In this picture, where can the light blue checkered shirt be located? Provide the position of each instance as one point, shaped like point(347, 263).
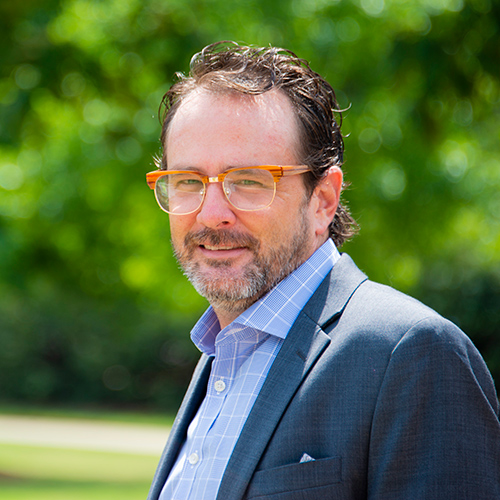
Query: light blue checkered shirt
point(244, 352)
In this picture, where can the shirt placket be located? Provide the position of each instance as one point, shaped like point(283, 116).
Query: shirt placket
point(199, 431)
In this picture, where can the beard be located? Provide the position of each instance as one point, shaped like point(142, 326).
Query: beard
point(234, 293)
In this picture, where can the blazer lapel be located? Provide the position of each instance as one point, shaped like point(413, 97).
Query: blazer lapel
point(192, 401)
point(332, 296)
point(286, 374)
point(304, 344)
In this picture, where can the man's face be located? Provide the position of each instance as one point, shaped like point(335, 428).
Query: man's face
point(234, 257)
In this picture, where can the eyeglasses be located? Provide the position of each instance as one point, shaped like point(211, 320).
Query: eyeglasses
point(181, 192)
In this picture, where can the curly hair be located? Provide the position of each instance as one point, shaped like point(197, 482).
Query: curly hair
point(230, 67)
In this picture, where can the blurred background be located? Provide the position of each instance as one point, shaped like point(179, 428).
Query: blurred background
point(93, 309)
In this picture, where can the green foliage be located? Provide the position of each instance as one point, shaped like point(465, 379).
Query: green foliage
point(93, 307)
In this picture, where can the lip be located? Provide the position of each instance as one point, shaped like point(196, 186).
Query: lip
point(223, 252)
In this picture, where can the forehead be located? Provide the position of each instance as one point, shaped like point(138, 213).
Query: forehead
point(242, 128)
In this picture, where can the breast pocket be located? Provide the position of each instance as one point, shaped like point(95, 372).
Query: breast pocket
point(295, 478)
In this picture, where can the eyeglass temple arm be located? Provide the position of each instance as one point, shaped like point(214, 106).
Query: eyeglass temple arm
point(283, 171)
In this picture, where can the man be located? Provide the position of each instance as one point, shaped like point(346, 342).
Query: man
point(314, 383)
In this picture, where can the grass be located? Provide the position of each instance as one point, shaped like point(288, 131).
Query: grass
point(52, 473)
point(49, 473)
point(74, 465)
point(61, 490)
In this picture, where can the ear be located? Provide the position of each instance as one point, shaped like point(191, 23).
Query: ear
point(326, 197)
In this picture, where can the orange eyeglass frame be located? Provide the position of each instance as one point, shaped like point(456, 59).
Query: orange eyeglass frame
point(277, 171)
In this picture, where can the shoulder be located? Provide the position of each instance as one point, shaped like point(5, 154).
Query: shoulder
point(384, 303)
point(386, 312)
point(363, 315)
point(376, 308)
point(374, 318)
point(382, 327)
point(403, 325)
point(400, 350)
point(394, 321)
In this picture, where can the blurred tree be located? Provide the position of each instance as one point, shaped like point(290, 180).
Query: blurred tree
point(93, 307)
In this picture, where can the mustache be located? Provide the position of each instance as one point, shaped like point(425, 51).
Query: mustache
point(213, 237)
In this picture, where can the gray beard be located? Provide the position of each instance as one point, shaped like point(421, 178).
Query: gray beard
point(235, 295)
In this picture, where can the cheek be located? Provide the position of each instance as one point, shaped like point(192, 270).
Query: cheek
point(259, 224)
point(272, 230)
point(178, 228)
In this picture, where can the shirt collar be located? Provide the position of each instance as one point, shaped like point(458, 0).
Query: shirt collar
point(276, 312)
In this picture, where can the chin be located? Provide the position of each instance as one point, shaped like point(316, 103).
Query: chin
point(229, 287)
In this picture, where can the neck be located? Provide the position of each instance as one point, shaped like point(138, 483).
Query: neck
point(227, 313)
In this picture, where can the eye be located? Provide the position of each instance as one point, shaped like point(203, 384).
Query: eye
point(250, 179)
point(186, 183)
point(248, 182)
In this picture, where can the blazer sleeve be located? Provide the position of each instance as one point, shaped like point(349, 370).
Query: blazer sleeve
point(435, 431)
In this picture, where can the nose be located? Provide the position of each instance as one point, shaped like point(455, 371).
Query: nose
point(215, 211)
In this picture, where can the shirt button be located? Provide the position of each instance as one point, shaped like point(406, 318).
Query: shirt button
point(219, 385)
point(193, 459)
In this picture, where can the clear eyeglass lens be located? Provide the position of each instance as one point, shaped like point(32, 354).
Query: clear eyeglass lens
point(179, 193)
point(250, 189)
point(246, 189)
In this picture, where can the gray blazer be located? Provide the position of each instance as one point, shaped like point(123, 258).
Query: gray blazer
point(391, 401)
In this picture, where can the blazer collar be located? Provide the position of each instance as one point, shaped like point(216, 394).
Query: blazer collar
point(331, 297)
point(303, 346)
